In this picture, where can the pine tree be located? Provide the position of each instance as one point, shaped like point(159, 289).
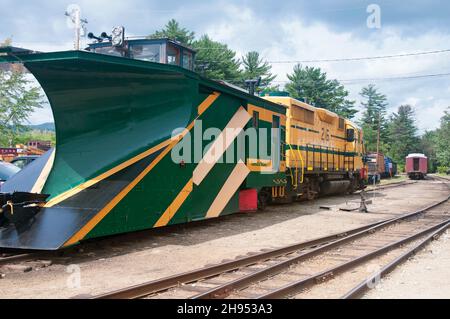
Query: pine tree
point(402, 133)
point(255, 67)
point(312, 86)
point(173, 31)
point(374, 116)
point(428, 147)
point(216, 61)
point(443, 141)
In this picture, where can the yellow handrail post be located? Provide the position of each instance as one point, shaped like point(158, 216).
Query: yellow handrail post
point(303, 166)
point(294, 184)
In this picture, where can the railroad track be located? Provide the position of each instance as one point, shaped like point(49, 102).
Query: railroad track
point(11, 258)
point(392, 185)
point(302, 270)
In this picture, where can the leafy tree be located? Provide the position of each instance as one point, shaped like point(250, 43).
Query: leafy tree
point(402, 132)
point(216, 61)
point(18, 100)
point(173, 31)
point(255, 67)
point(35, 135)
point(374, 116)
point(428, 147)
point(443, 140)
point(6, 43)
point(312, 86)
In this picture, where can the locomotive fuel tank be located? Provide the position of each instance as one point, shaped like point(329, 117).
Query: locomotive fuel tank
point(334, 187)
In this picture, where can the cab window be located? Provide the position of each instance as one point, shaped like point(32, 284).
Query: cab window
point(173, 55)
point(109, 51)
point(147, 52)
point(187, 60)
point(341, 123)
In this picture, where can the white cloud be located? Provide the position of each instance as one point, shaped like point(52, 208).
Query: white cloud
point(43, 115)
point(291, 38)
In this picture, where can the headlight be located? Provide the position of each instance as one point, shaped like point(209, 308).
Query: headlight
point(118, 36)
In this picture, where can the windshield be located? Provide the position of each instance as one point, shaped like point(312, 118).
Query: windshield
point(21, 162)
point(109, 51)
point(146, 52)
point(7, 170)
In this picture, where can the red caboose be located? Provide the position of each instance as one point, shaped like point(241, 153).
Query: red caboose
point(416, 166)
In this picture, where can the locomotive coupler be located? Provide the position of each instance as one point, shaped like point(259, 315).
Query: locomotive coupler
point(18, 208)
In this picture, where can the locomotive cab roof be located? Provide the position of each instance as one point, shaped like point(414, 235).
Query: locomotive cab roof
point(161, 50)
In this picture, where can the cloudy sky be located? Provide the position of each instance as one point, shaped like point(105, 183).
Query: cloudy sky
point(287, 30)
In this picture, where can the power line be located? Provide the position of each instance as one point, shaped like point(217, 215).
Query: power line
point(398, 78)
point(367, 58)
point(356, 81)
point(344, 59)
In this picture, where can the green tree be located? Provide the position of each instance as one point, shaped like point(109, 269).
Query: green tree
point(312, 86)
point(443, 140)
point(402, 132)
point(6, 43)
point(18, 100)
point(255, 67)
point(374, 116)
point(35, 135)
point(428, 147)
point(216, 61)
point(173, 31)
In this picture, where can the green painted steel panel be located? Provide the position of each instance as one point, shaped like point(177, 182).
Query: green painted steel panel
point(109, 109)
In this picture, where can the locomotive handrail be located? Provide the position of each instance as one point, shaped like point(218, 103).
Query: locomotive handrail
point(295, 185)
point(303, 166)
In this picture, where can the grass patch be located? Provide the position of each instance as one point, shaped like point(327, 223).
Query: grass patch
point(395, 179)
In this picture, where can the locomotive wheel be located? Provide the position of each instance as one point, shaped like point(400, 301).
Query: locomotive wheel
point(311, 195)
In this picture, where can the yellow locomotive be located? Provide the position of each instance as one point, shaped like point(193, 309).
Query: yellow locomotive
point(323, 153)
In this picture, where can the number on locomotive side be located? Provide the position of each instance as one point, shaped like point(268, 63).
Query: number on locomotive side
point(326, 135)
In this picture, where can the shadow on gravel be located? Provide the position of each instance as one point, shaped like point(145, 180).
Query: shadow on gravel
point(195, 232)
point(203, 231)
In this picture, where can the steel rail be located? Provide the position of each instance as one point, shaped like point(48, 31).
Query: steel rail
point(247, 280)
point(16, 258)
point(362, 287)
point(387, 186)
point(152, 287)
point(292, 288)
point(159, 285)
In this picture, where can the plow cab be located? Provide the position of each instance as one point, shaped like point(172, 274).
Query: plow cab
point(164, 51)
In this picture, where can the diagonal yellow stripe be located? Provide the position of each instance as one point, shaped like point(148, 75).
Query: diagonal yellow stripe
point(58, 199)
point(105, 211)
point(97, 218)
point(175, 206)
point(208, 102)
point(231, 186)
point(221, 144)
point(40, 182)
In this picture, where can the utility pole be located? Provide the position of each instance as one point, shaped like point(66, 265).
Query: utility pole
point(378, 144)
point(75, 16)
